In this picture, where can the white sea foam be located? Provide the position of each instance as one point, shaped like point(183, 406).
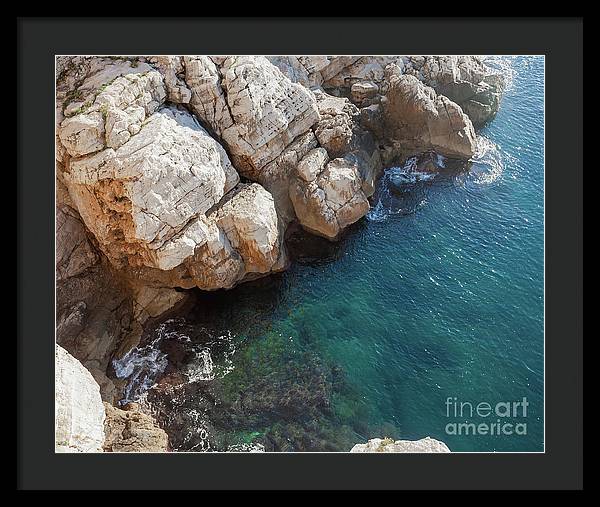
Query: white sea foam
point(386, 204)
point(142, 366)
point(488, 162)
point(246, 448)
point(202, 367)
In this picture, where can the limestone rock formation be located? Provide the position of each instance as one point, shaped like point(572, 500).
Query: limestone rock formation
point(251, 106)
point(79, 413)
point(425, 445)
point(110, 107)
point(465, 80)
point(132, 430)
point(173, 71)
point(416, 119)
point(340, 132)
point(331, 201)
point(141, 201)
point(312, 71)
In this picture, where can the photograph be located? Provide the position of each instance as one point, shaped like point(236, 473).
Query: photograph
point(299, 253)
point(311, 253)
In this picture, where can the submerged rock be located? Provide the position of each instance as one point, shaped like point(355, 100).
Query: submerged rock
point(425, 445)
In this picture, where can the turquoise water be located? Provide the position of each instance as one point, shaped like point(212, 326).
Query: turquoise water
point(437, 294)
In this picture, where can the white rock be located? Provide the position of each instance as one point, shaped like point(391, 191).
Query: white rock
point(425, 445)
point(312, 164)
point(251, 105)
point(332, 201)
point(141, 201)
point(79, 412)
point(114, 108)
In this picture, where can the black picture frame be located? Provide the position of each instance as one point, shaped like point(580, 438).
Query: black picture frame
point(560, 40)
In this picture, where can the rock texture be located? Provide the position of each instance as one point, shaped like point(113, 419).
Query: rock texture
point(79, 414)
point(142, 201)
point(331, 201)
point(425, 445)
point(312, 71)
point(465, 80)
point(253, 108)
point(132, 430)
point(416, 119)
point(340, 132)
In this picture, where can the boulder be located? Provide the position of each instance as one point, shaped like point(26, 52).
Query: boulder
point(243, 240)
point(424, 445)
point(142, 200)
point(416, 119)
point(251, 106)
point(465, 80)
point(78, 409)
point(332, 201)
point(132, 430)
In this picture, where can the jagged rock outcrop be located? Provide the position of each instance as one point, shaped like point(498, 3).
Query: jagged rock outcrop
point(332, 200)
point(337, 174)
point(131, 430)
point(110, 114)
point(269, 123)
point(142, 201)
point(465, 80)
point(340, 132)
point(253, 108)
point(173, 71)
point(79, 413)
point(312, 71)
point(416, 119)
point(425, 445)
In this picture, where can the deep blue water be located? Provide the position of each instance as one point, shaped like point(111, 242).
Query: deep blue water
point(437, 294)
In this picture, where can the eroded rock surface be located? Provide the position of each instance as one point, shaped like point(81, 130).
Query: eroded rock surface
point(142, 200)
point(425, 445)
point(465, 80)
point(132, 430)
point(253, 108)
point(79, 413)
point(331, 201)
point(109, 106)
point(417, 119)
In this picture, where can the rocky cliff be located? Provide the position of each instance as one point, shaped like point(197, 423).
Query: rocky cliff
point(185, 172)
